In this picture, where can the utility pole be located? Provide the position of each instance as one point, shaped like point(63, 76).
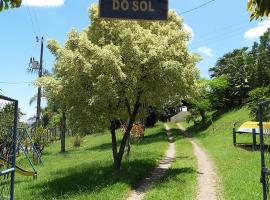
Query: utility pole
point(40, 73)
point(34, 66)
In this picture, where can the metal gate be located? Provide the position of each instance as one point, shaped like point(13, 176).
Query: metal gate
point(8, 133)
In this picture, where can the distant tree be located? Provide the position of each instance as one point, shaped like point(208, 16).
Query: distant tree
point(106, 72)
point(201, 103)
point(235, 67)
point(261, 54)
point(255, 97)
point(259, 8)
point(6, 4)
point(219, 92)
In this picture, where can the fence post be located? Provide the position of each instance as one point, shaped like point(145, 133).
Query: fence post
point(254, 142)
point(234, 136)
point(263, 177)
point(15, 126)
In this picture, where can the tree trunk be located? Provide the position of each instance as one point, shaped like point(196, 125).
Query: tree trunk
point(63, 132)
point(127, 134)
point(114, 143)
point(118, 156)
point(202, 113)
point(128, 147)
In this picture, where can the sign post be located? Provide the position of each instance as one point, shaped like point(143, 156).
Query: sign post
point(134, 9)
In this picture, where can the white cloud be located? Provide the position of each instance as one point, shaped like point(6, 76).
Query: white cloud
point(43, 3)
point(258, 31)
point(188, 29)
point(206, 51)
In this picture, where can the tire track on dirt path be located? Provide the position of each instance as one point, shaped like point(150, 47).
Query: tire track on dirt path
point(207, 176)
point(158, 172)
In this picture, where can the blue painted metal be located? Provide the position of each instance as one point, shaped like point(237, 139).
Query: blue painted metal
point(14, 138)
point(134, 9)
point(26, 154)
point(34, 148)
point(7, 171)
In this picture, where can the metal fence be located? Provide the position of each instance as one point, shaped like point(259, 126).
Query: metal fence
point(8, 133)
point(263, 115)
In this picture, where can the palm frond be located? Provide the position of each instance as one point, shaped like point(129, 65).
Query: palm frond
point(33, 99)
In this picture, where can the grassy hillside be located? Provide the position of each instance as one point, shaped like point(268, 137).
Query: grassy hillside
point(87, 172)
point(238, 167)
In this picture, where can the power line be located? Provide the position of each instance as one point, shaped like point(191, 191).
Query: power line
point(197, 7)
point(14, 83)
point(36, 20)
point(32, 22)
point(214, 41)
point(221, 35)
point(33, 19)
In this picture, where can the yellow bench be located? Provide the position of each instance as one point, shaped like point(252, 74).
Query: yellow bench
point(250, 128)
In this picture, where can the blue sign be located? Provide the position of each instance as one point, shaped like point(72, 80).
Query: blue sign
point(134, 9)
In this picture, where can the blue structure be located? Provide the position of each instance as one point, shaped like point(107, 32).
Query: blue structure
point(8, 139)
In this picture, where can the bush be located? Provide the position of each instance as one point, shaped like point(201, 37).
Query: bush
point(255, 97)
point(77, 141)
point(39, 138)
point(152, 117)
point(137, 131)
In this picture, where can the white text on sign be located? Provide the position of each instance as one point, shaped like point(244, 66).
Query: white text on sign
point(136, 5)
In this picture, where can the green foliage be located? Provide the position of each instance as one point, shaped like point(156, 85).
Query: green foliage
point(255, 97)
point(6, 122)
point(102, 73)
point(244, 70)
point(201, 103)
point(6, 4)
point(6, 115)
point(77, 140)
point(39, 138)
point(219, 89)
point(235, 67)
point(259, 8)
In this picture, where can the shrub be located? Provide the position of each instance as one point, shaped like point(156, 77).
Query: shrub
point(255, 97)
point(39, 138)
point(77, 141)
point(137, 131)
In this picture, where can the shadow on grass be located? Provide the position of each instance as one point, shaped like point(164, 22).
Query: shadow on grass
point(172, 174)
point(101, 147)
point(93, 178)
point(156, 137)
point(197, 129)
point(178, 134)
point(249, 147)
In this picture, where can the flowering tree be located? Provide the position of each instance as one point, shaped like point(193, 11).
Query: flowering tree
point(107, 71)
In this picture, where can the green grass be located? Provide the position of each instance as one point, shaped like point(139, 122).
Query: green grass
point(180, 181)
point(87, 172)
point(238, 167)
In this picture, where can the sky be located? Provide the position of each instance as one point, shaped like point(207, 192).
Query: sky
point(217, 28)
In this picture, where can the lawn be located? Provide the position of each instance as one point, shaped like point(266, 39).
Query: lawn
point(87, 172)
point(238, 167)
point(180, 181)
